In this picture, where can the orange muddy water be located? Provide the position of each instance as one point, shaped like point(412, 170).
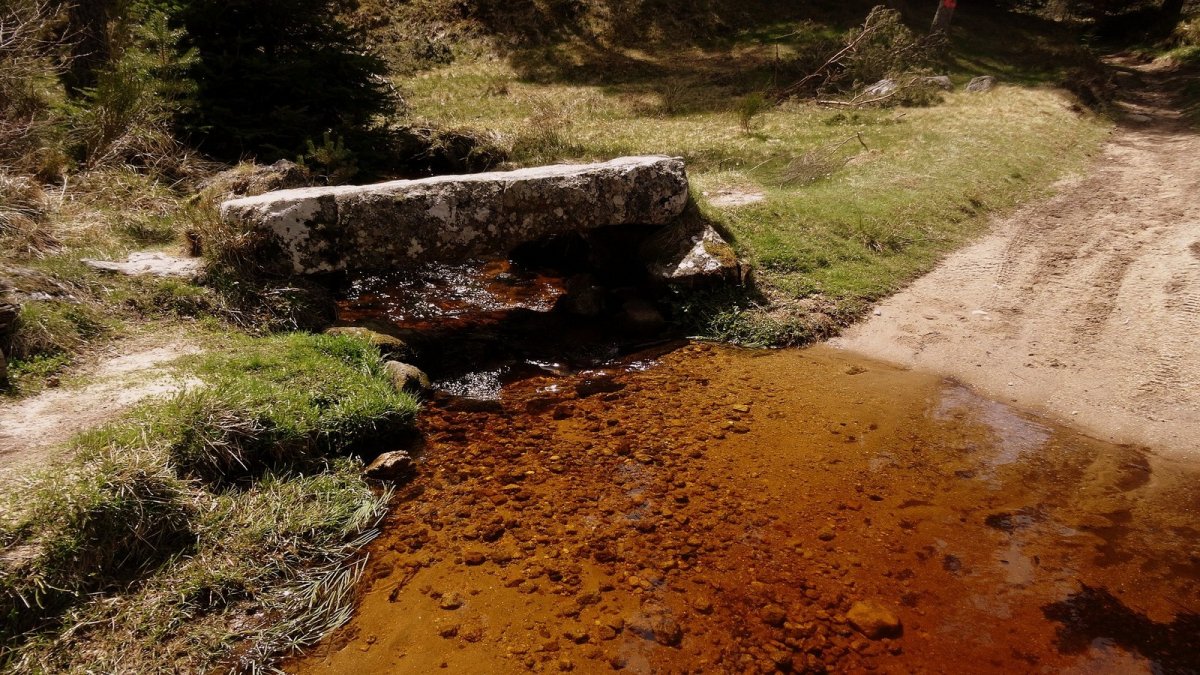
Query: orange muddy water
point(703, 509)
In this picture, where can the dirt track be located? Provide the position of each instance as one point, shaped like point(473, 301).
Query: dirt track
point(34, 431)
point(1085, 306)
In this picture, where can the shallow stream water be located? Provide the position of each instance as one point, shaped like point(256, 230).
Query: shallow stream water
point(692, 508)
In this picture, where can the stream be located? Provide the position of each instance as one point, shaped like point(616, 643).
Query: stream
point(597, 496)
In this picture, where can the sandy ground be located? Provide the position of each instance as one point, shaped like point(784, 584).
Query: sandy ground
point(33, 431)
point(1085, 306)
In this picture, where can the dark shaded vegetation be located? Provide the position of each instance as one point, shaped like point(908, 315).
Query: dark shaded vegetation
point(271, 75)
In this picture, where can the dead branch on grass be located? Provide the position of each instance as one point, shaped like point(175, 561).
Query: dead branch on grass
point(822, 73)
point(859, 102)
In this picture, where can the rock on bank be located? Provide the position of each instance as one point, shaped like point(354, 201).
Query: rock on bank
point(452, 218)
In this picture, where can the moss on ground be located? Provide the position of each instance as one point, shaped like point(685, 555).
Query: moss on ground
point(211, 530)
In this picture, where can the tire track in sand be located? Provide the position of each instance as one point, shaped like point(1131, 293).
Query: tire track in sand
point(1085, 306)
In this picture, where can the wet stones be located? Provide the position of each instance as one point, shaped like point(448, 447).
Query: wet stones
point(874, 620)
point(656, 624)
point(773, 615)
point(451, 601)
point(391, 466)
point(600, 384)
point(406, 377)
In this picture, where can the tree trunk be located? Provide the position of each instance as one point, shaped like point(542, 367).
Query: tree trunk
point(8, 320)
point(87, 25)
point(1172, 11)
point(945, 12)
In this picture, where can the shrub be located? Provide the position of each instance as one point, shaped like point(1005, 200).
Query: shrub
point(127, 116)
point(23, 207)
point(91, 529)
point(272, 75)
point(27, 87)
point(749, 107)
point(50, 327)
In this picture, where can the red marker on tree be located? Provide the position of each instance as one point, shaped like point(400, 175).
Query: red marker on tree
point(941, 20)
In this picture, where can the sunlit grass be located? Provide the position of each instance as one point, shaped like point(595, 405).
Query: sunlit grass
point(906, 185)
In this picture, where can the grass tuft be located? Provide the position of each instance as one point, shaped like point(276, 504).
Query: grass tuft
point(213, 530)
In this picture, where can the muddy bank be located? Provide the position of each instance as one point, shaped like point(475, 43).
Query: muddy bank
point(710, 510)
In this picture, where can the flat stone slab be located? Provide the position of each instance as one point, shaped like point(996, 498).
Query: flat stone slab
point(455, 218)
point(151, 264)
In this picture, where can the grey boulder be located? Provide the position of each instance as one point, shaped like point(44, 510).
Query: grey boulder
point(407, 377)
point(690, 252)
point(981, 84)
point(454, 218)
point(883, 87)
point(942, 82)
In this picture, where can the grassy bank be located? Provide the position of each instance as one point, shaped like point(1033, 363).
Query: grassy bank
point(212, 530)
point(855, 201)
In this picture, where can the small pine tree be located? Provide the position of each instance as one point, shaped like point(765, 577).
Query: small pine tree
point(128, 113)
point(272, 75)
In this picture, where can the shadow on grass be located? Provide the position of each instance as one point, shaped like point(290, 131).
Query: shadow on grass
point(772, 50)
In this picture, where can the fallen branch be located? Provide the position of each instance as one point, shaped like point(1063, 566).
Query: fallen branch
point(857, 102)
point(868, 30)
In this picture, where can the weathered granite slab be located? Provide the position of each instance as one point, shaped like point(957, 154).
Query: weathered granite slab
point(452, 218)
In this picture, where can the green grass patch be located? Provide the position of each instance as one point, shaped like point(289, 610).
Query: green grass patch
point(208, 531)
point(857, 202)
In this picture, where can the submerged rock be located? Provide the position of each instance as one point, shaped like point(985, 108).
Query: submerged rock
point(453, 218)
point(657, 625)
point(874, 620)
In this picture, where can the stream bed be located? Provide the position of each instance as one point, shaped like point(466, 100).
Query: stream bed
point(678, 507)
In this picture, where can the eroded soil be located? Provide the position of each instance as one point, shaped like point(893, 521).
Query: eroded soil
point(711, 510)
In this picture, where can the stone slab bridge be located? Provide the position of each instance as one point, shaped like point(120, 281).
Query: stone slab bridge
point(455, 218)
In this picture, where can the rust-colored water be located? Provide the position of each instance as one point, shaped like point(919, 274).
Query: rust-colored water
point(722, 511)
point(444, 296)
